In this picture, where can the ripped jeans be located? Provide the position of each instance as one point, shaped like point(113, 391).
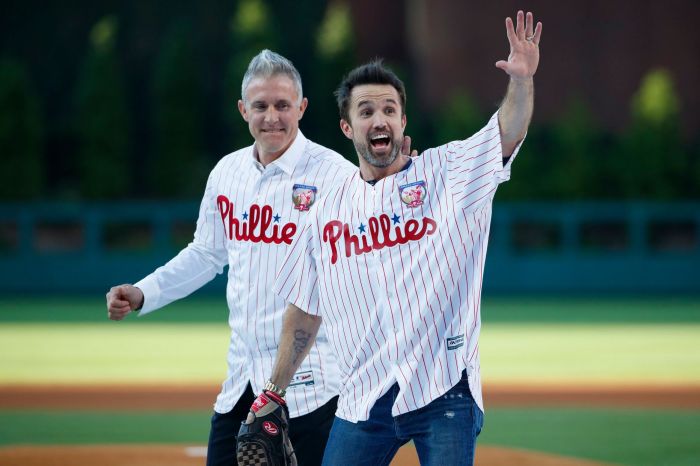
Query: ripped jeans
point(444, 432)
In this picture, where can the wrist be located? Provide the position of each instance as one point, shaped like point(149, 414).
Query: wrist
point(140, 300)
point(273, 388)
point(520, 80)
point(275, 397)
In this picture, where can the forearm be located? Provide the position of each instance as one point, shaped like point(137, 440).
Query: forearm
point(515, 113)
point(191, 269)
point(299, 331)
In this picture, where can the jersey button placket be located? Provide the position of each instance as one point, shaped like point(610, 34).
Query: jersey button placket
point(376, 201)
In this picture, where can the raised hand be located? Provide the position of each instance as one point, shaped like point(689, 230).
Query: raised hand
point(524, 47)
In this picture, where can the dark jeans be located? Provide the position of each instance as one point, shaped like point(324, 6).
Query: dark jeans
point(309, 433)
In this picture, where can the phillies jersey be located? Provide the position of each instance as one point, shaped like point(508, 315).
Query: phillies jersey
point(395, 270)
point(248, 218)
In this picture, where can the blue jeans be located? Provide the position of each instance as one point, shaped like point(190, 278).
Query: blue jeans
point(444, 432)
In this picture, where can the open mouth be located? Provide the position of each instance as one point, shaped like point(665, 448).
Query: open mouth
point(380, 141)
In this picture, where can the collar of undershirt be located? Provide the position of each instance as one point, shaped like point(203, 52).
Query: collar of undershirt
point(405, 167)
point(289, 159)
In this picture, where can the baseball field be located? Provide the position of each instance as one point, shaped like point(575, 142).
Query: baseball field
point(567, 381)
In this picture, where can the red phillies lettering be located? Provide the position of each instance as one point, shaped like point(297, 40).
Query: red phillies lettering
point(257, 227)
point(380, 235)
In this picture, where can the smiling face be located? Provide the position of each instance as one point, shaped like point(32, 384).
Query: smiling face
point(376, 124)
point(272, 109)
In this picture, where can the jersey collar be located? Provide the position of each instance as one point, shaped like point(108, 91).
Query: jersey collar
point(287, 161)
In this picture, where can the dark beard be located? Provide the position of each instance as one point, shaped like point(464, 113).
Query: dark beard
point(366, 153)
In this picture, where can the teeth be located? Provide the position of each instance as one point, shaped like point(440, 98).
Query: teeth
point(379, 136)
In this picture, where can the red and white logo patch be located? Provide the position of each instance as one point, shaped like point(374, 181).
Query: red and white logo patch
point(413, 194)
point(303, 196)
point(270, 428)
point(259, 403)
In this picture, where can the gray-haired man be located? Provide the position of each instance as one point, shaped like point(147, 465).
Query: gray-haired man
point(255, 200)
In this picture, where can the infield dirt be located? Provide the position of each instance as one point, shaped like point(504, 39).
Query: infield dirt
point(179, 455)
point(143, 397)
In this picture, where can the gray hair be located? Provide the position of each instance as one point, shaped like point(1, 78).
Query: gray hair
point(267, 64)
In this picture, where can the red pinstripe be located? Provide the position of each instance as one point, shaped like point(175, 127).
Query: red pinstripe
point(381, 340)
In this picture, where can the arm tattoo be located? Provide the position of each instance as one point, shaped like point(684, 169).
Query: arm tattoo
point(301, 341)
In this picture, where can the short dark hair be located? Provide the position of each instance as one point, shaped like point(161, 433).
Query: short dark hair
point(373, 72)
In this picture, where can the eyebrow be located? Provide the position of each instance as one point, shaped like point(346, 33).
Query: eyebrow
point(367, 102)
point(276, 102)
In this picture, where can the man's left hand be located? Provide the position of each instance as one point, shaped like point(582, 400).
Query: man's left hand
point(524, 47)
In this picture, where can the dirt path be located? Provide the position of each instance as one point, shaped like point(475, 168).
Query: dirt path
point(177, 455)
point(145, 397)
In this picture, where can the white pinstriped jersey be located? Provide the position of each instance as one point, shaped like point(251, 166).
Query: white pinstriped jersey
point(248, 218)
point(396, 269)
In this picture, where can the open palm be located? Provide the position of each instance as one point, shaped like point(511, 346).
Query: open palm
point(524, 47)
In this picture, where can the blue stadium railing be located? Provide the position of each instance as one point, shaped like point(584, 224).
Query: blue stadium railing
point(534, 247)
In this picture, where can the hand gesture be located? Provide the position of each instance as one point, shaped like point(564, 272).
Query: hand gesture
point(406, 147)
point(123, 299)
point(524, 47)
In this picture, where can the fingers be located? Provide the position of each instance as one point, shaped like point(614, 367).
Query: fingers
point(502, 64)
point(538, 33)
point(118, 304)
point(520, 26)
point(529, 25)
point(510, 32)
point(406, 145)
point(118, 314)
point(524, 28)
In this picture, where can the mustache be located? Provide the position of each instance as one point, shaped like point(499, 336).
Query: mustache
point(371, 134)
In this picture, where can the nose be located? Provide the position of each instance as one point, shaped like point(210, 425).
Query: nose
point(271, 115)
point(378, 121)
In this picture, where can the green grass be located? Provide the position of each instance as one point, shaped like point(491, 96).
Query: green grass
point(30, 427)
point(666, 309)
point(75, 353)
point(209, 308)
point(524, 340)
point(94, 309)
point(636, 437)
point(81, 353)
point(607, 353)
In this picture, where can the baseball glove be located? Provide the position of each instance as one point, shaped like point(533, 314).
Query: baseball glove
point(263, 439)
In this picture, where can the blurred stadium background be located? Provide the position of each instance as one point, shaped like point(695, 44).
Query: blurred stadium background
point(112, 114)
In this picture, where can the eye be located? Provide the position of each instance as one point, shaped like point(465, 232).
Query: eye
point(390, 111)
point(259, 106)
point(365, 113)
point(283, 106)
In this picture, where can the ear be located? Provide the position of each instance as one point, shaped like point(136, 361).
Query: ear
point(346, 128)
point(302, 107)
point(242, 109)
point(403, 121)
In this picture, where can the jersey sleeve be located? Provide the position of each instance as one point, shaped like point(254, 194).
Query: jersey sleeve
point(195, 265)
point(475, 166)
point(297, 278)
